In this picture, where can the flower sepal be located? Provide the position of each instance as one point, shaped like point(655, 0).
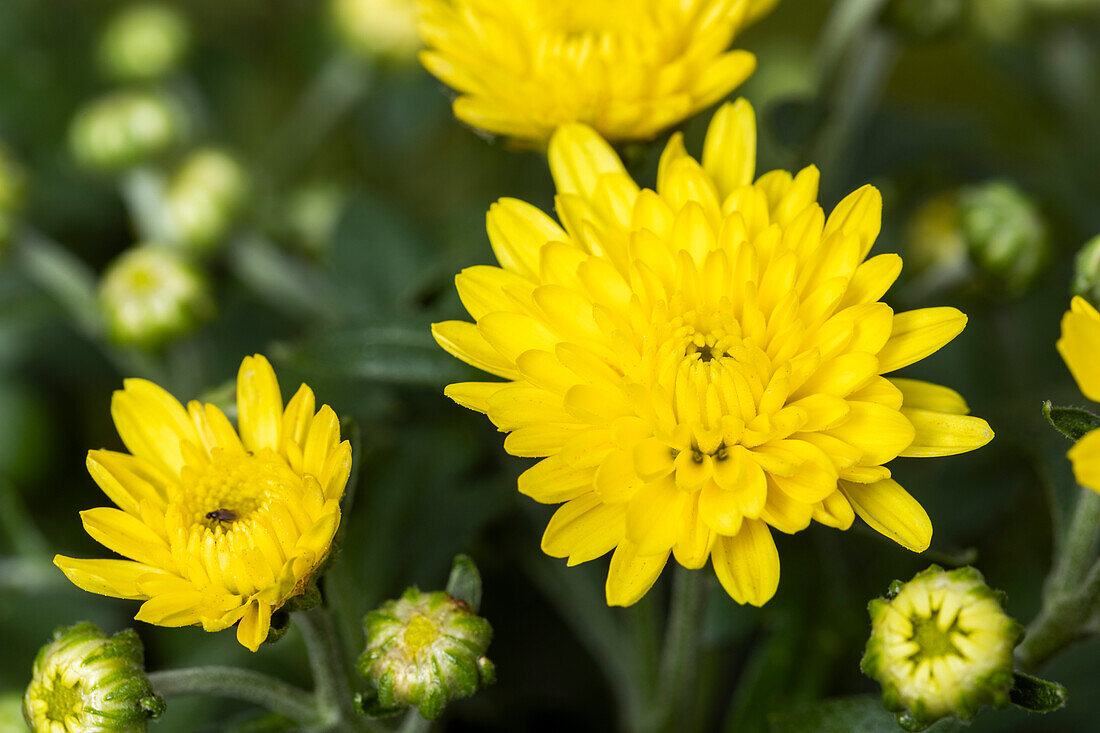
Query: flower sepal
point(1072, 422)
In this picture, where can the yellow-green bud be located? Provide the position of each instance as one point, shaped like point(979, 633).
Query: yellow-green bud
point(378, 28)
point(934, 239)
point(12, 193)
point(124, 128)
point(941, 645)
point(144, 42)
point(1086, 271)
point(312, 215)
point(204, 197)
point(998, 20)
point(151, 294)
point(1006, 235)
point(424, 650)
point(86, 682)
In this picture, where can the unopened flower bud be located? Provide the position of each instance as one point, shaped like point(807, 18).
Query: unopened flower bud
point(87, 682)
point(144, 42)
point(312, 214)
point(998, 21)
point(12, 193)
point(204, 197)
point(934, 239)
point(378, 28)
point(424, 650)
point(941, 645)
point(1086, 271)
point(151, 294)
point(1006, 235)
point(125, 128)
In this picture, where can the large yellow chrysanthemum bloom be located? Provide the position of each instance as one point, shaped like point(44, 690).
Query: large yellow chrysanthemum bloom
point(218, 528)
point(697, 363)
point(1080, 348)
point(628, 68)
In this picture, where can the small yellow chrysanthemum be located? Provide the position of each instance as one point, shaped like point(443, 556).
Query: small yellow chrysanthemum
point(218, 528)
point(628, 68)
point(1080, 348)
point(699, 362)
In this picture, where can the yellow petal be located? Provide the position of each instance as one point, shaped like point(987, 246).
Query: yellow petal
point(1080, 346)
point(747, 564)
point(254, 625)
point(180, 608)
point(694, 538)
point(584, 529)
point(578, 157)
point(517, 231)
point(259, 404)
point(720, 509)
point(126, 480)
point(321, 441)
point(115, 578)
point(919, 333)
point(631, 575)
point(474, 395)
point(464, 341)
point(297, 417)
point(872, 279)
point(859, 215)
point(152, 423)
point(944, 434)
point(835, 511)
point(551, 481)
point(889, 509)
point(652, 517)
point(128, 536)
point(881, 433)
point(928, 396)
point(1085, 456)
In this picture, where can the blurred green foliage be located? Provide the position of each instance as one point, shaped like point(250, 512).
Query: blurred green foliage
point(363, 208)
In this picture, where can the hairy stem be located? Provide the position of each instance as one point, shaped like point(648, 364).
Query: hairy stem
point(239, 684)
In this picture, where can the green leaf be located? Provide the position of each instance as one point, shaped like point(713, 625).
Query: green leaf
point(388, 352)
point(465, 581)
point(857, 714)
point(1072, 422)
point(1037, 695)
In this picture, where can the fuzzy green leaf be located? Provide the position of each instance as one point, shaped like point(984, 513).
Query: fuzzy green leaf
point(1037, 695)
point(1072, 422)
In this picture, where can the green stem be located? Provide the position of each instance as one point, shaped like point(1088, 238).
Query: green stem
point(239, 684)
point(143, 191)
point(331, 670)
point(414, 722)
point(679, 659)
point(1071, 591)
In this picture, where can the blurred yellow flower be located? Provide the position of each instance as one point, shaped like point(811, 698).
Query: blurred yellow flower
point(701, 362)
point(627, 68)
point(218, 527)
point(378, 28)
point(1080, 348)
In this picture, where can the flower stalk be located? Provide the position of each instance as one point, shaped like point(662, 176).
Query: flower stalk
point(239, 684)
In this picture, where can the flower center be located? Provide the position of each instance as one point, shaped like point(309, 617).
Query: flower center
point(419, 633)
point(933, 642)
point(64, 701)
point(230, 489)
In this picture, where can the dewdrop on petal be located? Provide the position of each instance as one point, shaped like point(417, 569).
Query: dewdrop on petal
point(86, 682)
point(204, 197)
point(150, 295)
point(125, 128)
point(144, 42)
point(383, 29)
point(424, 650)
point(941, 645)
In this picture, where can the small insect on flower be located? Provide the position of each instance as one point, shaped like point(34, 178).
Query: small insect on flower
point(218, 526)
point(699, 364)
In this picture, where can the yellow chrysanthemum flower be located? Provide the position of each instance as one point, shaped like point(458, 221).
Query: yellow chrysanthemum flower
point(1080, 348)
point(697, 363)
point(218, 527)
point(628, 68)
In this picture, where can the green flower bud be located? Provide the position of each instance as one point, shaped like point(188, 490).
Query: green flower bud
point(1006, 235)
point(204, 197)
point(144, 42)
point(150, 295)
point(998, 20)
point(1086, 271)
point(378, 28)
point(934, 239)
point(924, 18)
point(87, 682)
point(941, 645)
point(125, 128)
point(312, 215)
point(424, 650)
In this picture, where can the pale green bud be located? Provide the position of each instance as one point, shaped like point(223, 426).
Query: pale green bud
point(941, 645)
point(312, 215)
point(86, 682)
point(1006, 235)
point(424, 650)
point(151, 294)
point(204, 197)
point(378, 28)
point(1086, 271)
point(998, 20)
point(125, 128)
point(12, 193)
point(934, 239)
point(144, 42)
